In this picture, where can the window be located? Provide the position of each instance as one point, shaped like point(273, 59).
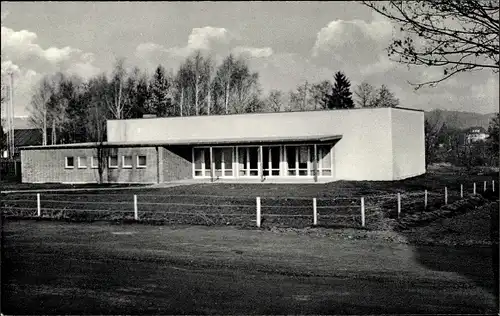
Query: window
point(69, 162)
point(141, 161)
point(82, 162)
point(94, 163)
point(113, 161)
point(127, 161)
point(325, 160)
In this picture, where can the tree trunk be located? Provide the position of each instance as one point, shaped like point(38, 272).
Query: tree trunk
point(182, 99)
point(53, 132)
point(208, 101)
point(227, 96)
point(44, 131)
point(196, 94)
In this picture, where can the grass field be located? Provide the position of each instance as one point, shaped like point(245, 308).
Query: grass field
point(283, 205)
point(446, 267)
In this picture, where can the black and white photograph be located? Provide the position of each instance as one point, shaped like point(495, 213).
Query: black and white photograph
point(249, 157)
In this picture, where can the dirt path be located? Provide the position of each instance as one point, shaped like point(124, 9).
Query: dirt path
point(61, 268)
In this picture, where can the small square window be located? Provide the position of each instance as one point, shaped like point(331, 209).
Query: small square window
point(69, 162)
point(94, 163)
point(82, 162)
point(113, 161)
point(127, 161)
point(141, 161)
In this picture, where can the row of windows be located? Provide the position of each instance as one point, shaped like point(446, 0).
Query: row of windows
point(82, 162)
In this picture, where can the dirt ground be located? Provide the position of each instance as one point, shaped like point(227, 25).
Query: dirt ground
point(100, 268)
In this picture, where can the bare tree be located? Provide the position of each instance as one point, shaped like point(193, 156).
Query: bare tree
point(319, 93)
point(458, 36)
point(209, 84)
point(244, 88)
point(274, 101)
point(385, 98)
point(39, 106)
point(224, 78)
point(116, 102)
point(432, 131)
point(198, 66)
point(97, 113)
point(365, 95)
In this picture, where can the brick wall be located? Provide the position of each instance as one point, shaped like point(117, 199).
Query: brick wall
point(48, 165)
point(176, 163)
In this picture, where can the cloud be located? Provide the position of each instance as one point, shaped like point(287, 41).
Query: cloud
point(204, 39)
point(20, 44)
point(253, 51)
point(29, 62)
point(355, 46)
point(207, 39)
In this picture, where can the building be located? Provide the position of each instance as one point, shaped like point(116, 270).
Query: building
point(24, 135)
point(313, 146)
point(475, 134)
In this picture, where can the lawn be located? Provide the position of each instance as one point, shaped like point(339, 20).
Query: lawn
point(282, 205)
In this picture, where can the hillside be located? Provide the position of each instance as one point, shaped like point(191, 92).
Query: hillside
point(460, 120)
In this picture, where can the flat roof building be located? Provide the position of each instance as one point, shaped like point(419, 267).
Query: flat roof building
point(313, 146)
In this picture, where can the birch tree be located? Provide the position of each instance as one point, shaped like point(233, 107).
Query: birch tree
point(244, 89)
point(116, 100)
point(209, 82)
point(39, 106)
point(224, 79)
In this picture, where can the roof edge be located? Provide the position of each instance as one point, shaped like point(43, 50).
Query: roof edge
point(194, 142)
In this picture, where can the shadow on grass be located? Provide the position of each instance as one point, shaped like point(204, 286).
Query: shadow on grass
point(478, 263)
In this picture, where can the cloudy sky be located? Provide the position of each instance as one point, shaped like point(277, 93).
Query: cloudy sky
point(286, 42)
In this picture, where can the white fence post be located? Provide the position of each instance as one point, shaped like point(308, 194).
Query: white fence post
point(136, 213)
point(474, 191)
point(445, 195)
point(461, 191)
point(493, 185)
point(399, 204)
point(315, 212)
point(258, 212)
point(425, 199)
point(484, 186)
point(363, 212)
point(39, 209)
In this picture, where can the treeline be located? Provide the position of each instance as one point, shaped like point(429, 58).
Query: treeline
point(69, 109)
point(448, 144)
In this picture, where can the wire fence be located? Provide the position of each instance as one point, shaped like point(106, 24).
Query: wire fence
point(349, 211)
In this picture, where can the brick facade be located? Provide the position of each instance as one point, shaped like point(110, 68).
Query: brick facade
point(48, 165)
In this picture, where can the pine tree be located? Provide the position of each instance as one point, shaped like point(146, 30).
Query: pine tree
point(160, 102)
point(341, 97)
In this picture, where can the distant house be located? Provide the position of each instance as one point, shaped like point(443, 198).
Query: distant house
point(24, 135)
point(475, 134)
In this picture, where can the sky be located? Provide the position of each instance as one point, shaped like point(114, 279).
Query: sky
point(287, 43)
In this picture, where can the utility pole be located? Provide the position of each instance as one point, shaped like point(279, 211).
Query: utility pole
point(11, 116)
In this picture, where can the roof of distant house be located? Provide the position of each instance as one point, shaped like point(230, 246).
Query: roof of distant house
point(474, 129)
point(20, 122)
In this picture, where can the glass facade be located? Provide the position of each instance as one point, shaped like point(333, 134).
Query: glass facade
point(273, 161)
